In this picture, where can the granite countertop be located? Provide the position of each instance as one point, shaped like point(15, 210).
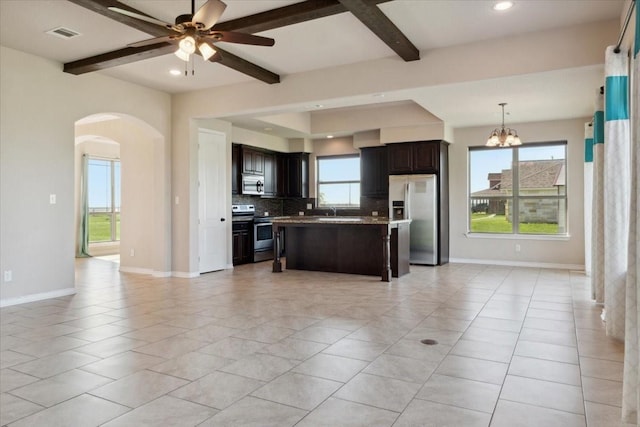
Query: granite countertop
point(346, 220)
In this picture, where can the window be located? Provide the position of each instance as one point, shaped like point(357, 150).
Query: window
point(104, 200)
point(339, 181)
point(518, 190)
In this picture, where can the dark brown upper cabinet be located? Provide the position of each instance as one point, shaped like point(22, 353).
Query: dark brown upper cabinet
point(270, 175)
point(374, 172)
point(252, 161)
point(235, 169)
point(292, 175)
point(414, 157)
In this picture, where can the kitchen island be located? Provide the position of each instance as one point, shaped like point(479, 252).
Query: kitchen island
point(356, 245)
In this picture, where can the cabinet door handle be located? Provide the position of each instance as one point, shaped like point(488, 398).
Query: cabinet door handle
point(223, 219)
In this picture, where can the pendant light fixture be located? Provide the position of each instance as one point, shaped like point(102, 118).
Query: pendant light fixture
point(503, 137)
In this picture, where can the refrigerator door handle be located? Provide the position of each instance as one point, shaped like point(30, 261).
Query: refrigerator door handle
point(407, 202)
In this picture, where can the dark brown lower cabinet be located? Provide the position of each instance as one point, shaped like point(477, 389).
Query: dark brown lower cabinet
point(242, 244)
point(352, 249)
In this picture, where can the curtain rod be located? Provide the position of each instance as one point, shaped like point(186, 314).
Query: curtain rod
point(624, 27)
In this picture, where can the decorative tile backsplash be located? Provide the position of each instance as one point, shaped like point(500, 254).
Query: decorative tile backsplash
point(263, 204)
point(287, 207)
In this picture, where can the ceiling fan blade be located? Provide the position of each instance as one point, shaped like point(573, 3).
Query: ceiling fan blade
point(140, 17)
point(216, 57)
point(243, 38)
point(209, 13)
point(154, 40)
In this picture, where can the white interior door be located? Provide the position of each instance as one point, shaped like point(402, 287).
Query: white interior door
point(213, 213)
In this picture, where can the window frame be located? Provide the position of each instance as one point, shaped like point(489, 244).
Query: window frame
point(515, 198)
point(114, 211)
point(319, 182)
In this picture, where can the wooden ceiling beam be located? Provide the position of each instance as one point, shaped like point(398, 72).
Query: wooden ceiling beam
point(101, 7)
point(118, 57)
point(129, 55)
point(371, 16)
point(281, 17)
point(287, 15)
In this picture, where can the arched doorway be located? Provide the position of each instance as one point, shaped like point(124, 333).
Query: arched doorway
point(144, 231)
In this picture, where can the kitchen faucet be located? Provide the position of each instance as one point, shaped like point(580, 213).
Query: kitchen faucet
point(335, 210)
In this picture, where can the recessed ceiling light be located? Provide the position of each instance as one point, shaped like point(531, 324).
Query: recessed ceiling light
point(175, 72)
point(329, 136)
point(268, 129)
point(503, 5)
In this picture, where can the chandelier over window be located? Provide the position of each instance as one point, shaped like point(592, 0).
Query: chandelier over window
point(503, 137)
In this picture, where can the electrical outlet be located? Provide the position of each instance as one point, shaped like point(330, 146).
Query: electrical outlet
point(517, 248)
point(309, 206)
point(52, 199)
point(8, 275)
point(266, 213)
point(132, 252)
point(301, 213)
point(374, 213)
point(177, 200)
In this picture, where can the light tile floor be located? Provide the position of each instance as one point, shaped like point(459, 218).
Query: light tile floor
point(245, 347)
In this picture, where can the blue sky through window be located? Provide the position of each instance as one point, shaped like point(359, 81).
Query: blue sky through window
point(99, 179)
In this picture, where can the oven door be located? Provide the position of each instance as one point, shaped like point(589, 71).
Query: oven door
point(252, 184)
point(262, 236)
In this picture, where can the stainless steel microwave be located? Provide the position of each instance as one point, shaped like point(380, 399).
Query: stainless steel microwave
point(253, 184)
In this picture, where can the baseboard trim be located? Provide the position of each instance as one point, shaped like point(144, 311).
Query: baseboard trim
point(6, 302)
point(136, 270)
point(575, 267)
point(185, 275)
point(156, 273)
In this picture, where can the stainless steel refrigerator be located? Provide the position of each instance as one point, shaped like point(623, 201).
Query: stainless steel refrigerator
point(415, 197)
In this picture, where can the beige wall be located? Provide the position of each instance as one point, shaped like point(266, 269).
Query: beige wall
point(38, 108)
point(567, 252)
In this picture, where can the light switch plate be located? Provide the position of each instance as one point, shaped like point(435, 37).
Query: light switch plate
point(52, 199)
point(309, 206)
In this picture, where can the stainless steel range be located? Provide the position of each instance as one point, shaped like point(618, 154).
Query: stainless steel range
point(244, 220)
point(262, 239)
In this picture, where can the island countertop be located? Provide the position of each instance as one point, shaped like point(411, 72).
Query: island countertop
point(367, 245)
point(343, 220)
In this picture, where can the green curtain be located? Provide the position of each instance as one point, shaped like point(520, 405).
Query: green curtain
point(83, 231)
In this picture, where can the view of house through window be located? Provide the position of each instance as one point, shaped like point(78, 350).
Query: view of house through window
point(520, 190)
point(104, 200)
point(339, 181)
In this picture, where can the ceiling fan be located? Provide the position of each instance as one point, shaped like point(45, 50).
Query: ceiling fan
point(193, 32)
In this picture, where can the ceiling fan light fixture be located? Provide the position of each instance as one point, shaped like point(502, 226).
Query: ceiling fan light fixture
point(206, 50)
point(182, 55)
point(188, 45)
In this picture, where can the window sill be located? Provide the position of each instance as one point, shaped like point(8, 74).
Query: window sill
point(556, 237)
